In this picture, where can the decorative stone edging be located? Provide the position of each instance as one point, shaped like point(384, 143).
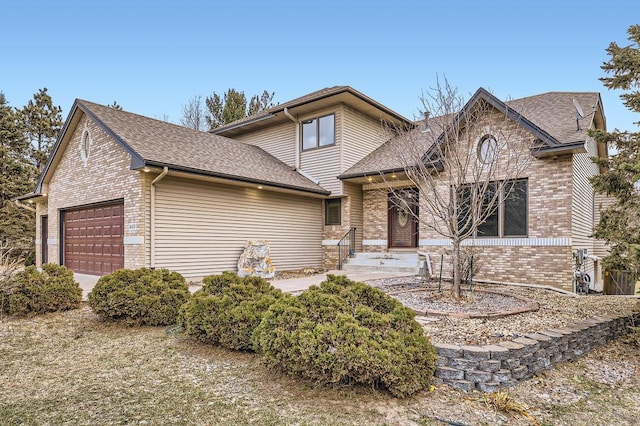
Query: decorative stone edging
point(488, 368)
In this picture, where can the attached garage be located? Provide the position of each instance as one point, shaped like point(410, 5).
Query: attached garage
point(192, 199)
point(93, 238)
point(201, 228)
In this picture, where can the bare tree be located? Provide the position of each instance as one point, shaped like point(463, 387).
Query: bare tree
point(12, 258)
point(464, 162)
point(193, 114)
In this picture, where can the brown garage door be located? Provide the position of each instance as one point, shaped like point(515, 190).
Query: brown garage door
point(93, 239)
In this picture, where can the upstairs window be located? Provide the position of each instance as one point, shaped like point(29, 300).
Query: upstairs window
point(319, 132)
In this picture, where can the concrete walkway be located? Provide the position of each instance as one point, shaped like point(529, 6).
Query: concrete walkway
point(288, 285)
point(297, 284)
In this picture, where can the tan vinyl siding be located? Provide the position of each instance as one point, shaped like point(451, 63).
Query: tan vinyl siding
point(582, 219)
point(362, 134)
point(354, 192)
point(201, 228)
point(279, 141)
point(324, 163)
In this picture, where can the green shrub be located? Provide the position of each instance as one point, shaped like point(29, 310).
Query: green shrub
point(32, 291)
point(346, 332)
point(139, 297)
point(30, 260)
point(228, 309)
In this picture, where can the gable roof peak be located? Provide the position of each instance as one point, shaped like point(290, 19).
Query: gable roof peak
point(156, 143)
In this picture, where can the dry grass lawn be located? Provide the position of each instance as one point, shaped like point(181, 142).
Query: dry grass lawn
point(70, 368)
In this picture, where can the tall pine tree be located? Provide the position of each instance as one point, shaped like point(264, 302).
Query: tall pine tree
point(233, 106)
point(17, 177)
point(619, 225)
point(42, 121)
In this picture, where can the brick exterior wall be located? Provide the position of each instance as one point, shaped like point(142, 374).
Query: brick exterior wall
point(543, 257)
point(41, 209)
point(332, 233)
point(105, 176)
point(375, 217)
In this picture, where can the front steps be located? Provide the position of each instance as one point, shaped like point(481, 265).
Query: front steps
point(405, 262)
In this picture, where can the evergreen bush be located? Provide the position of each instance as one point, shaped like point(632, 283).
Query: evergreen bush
point(32, 291)
point(346, 332)
point(139, 297)
point(228, 309)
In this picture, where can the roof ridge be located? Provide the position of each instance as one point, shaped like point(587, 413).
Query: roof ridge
point(122, 111)
point(551, 93)
point(280, 105)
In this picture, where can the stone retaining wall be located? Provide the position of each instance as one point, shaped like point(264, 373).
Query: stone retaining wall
point(488, 368)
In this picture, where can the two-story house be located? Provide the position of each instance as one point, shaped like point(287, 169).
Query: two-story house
point(123, 190)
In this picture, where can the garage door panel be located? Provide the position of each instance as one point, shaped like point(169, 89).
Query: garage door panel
point(93, 239)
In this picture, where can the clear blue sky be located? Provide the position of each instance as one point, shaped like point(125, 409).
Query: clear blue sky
point(152, 57)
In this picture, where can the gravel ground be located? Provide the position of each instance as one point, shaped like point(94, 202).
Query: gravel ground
point(556, 310)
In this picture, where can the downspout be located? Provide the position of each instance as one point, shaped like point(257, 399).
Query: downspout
point(152, 234)
point(24, 206)
point(292, 118)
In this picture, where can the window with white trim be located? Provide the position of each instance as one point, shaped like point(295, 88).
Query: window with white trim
point(85, 146)
point(487, 149)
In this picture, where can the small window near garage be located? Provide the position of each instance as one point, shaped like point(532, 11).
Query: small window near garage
point(85, 146)
point(487, 149)
point(319, 132)
point(332, 214)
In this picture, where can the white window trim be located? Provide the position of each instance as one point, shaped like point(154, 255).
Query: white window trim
point(86, 142)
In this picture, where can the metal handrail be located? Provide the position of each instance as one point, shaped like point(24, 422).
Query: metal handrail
point(346, 246)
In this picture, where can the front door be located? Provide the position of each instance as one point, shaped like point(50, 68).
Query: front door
point(403, 222)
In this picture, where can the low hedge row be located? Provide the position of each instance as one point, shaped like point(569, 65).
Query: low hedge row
point(340, 332)
point(139, 297)
point(228, 309)
point(346, 332)
point(34, 292)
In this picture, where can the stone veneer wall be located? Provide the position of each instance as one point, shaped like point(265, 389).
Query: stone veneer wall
point(488, 368)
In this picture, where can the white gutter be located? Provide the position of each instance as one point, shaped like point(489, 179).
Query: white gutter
point(24, 206)
point(152, 234)
point(292, 118)
point(308, 176)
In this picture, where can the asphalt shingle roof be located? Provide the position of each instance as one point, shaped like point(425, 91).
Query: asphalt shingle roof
point(160, 143)
point(552, 112)
point(327, 91)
